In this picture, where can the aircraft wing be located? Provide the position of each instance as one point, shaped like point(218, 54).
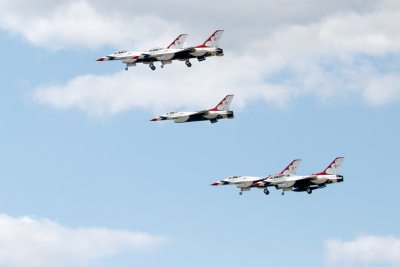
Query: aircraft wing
point(202, 112)
point(290, 179)
point(176, 52)
point(191, 116)
point(184, 53)
point(180, 54)
point(302, 178)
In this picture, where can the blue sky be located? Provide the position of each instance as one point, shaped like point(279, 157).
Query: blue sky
point(98, 163)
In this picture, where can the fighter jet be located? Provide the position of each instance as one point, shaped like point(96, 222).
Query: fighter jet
point(173, 52)
point(246, 182)
point(221, 111)
point(165, 55)
point(306, 183)
point(201, 52)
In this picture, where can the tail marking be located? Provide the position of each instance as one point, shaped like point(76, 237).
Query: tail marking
point(291, 169)
point(213, 40)
point(333, 168)
point(178, 42)
point(224, 104)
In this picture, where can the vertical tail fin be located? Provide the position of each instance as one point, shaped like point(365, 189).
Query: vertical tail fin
point(334, 167)
point(224, 104)
point(291, 169)
point(213, 40)
point(178, 42)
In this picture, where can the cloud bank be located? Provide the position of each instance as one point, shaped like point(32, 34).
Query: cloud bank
point(93, 23)
point(78, 24)
point(30, 242)
point(363, 250)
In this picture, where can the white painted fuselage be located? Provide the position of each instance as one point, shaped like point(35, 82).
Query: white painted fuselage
point(181, 116)
point(221, 111)
point(242, 182)
point(290, 181)
point(174, 51)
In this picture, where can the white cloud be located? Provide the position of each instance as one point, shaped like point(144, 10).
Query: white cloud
point(78, 23)
point(33, 242)
point(94, 23)
point(363, 250)
point(175, 86)
point(383, 89)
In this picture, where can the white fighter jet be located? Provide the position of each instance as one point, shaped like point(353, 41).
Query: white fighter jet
point(246, 182)
point(221, 111)
point(201, 52)
point(173, 52)
point(306, 183)
point(165, 55)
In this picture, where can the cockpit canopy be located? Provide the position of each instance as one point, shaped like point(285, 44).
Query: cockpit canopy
point(155, 49)
point(233, 177)
point(120, 52)
point(170, 113)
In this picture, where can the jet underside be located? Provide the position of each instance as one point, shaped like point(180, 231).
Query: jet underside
point(183, 56)
point(203, 117)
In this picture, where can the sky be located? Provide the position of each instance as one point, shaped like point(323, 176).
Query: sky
point(88, 180)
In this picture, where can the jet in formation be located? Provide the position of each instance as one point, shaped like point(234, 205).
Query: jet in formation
point(288, 180)
point(221, 111)
point(174, 51)
point(245, 183)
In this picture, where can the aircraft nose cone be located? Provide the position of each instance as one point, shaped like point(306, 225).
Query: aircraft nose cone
point(154, 119)
point(100, 59)
point(216, 183)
